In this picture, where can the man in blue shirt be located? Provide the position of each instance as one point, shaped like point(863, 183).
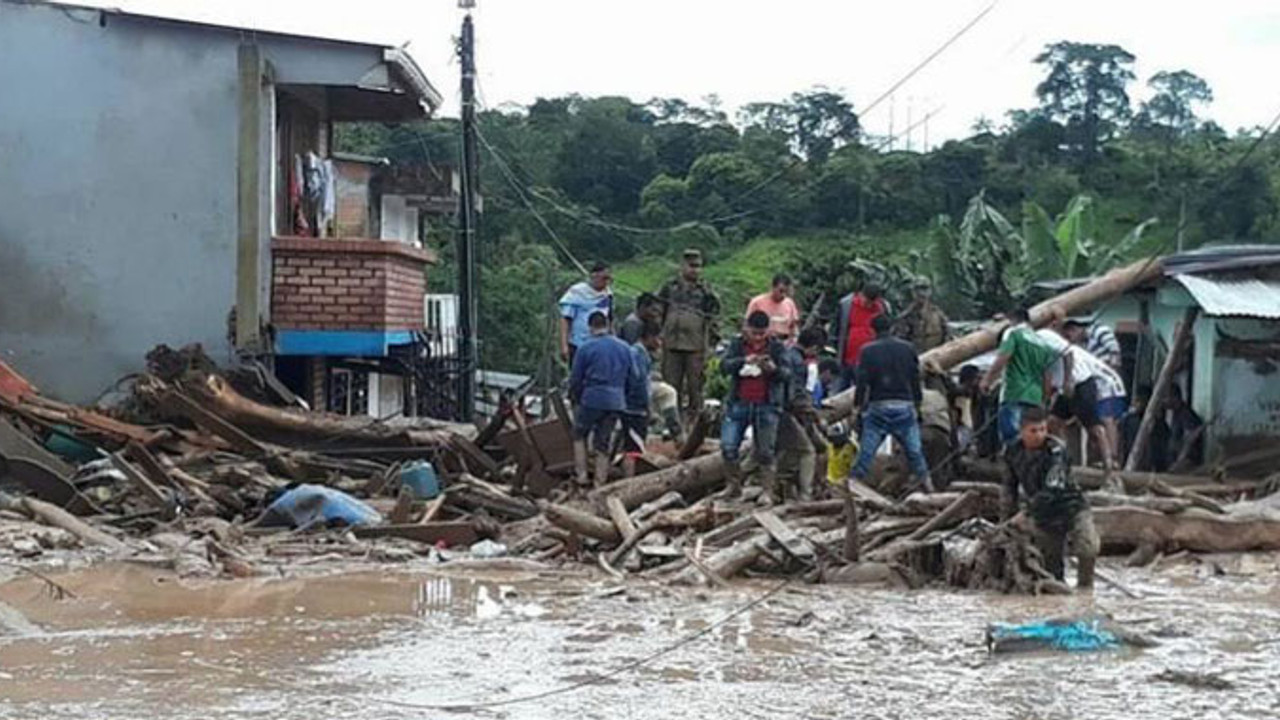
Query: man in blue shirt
point(603, 371)
point(578, 303)
point(635, 419)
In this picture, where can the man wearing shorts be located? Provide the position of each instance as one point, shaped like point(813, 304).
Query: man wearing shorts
point(1088, 390)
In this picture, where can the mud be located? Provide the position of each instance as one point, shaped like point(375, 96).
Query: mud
point(136, 644)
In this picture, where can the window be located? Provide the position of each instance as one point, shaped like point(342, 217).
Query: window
point(348, 392)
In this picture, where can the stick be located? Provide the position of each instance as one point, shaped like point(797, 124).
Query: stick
point(53, 515)
point(1155, 406)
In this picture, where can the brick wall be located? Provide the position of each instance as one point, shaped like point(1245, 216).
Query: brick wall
point(320, 284)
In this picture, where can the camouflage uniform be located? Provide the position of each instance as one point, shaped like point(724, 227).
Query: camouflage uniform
point(1055, 504)
point(689, 312)
point(924, 325)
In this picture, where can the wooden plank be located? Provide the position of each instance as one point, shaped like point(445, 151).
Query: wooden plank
point(874, 500)
point(403, 509)
point(433, 508)
point(618, 513)
point(140, 481)
point(473, 453)
point(452, 533)
point(796, 546)
point(160, 476)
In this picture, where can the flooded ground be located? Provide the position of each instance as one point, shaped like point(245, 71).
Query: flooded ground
point(132, 644)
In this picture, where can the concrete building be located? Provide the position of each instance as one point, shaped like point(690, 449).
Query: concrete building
point(168, 181)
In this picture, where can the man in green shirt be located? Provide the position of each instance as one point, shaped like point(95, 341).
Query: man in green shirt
point(1025, 361)
point(689, 312)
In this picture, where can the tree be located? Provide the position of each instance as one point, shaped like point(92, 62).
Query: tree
point(1087, 89)
point(816, 122)
point(1172, 108)
point(608, 156)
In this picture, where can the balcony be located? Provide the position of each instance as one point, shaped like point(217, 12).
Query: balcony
point(348, 297)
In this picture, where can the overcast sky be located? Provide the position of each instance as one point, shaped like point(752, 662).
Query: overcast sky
point(748, 50)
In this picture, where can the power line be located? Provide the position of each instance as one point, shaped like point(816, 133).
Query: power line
point(931, 57)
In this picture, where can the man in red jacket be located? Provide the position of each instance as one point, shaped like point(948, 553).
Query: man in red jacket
point(857, 310)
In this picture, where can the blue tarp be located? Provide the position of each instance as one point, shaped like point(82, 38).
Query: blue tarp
point(1069, 635)
point(310, 505)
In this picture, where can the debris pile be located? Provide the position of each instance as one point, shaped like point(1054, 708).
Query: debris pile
point(200, 472)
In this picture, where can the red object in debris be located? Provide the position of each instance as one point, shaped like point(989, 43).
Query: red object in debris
point(442, 545)
point(13, 387)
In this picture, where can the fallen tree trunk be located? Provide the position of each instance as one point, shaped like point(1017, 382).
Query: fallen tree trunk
point(219, 397)
point(727, 562)
point(581, 522)
point(1195, 530)
point(950, 354)
point(689, 477)
point(51, 514)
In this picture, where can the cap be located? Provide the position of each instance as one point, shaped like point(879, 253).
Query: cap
point(923, 283)
point(692, 254)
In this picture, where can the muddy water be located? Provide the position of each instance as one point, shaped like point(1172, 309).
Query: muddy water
point(132, 644)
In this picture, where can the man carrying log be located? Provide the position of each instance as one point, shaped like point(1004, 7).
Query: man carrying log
point(1039, 471)
point(888, 399)
point(604, 371)
point(1025, 362)
point(759, 384)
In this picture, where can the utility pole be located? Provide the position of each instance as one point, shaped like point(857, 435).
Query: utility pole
point(467, 300)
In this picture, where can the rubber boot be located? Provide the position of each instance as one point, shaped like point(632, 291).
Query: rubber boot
point(1084, 573)
point(772, 494)
point(671, 417)
point(602, 469)
point(580, 461)
point(733, 476)
point(808, 468)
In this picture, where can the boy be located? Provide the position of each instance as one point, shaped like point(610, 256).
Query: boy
point(1039, 469)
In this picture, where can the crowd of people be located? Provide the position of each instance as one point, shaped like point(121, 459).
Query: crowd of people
point(779, 371)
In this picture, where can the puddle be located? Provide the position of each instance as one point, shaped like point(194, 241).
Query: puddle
point(361, 645)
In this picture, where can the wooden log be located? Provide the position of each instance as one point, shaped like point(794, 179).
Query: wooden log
point(727, 562)
point(1195, 530)
point(1156, 404)
point(949, 354)
point(220, 398)
point(669, 500)
point(581, 522)
point(706, 570)
point(690, 477)
point(1164, 505)
point(51, 514)
point(618, 514)
point(698, 516)
point(954, 513)
point(148, 489)
point(1150, 482)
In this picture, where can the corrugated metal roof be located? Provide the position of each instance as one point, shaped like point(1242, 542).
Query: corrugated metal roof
point(1248, 297)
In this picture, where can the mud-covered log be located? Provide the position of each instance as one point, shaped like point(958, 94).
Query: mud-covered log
point(1125, 528)
point(581, 522)
point(689, 477)
point(727, 562)
point(51, 514)
point(219, 397)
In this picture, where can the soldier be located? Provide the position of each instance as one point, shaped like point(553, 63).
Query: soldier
point(689, 312)
point(923, 324)
point(1039, 469)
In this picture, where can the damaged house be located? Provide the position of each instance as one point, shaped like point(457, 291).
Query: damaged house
point(1229, 374)
point(169, 181)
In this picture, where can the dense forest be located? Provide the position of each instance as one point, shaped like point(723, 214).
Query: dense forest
point(1084, 180)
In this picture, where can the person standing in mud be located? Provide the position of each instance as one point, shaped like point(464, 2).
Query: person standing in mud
point(689, 312)
point(759, 374)
point(604, 374)
point(1039, 488)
